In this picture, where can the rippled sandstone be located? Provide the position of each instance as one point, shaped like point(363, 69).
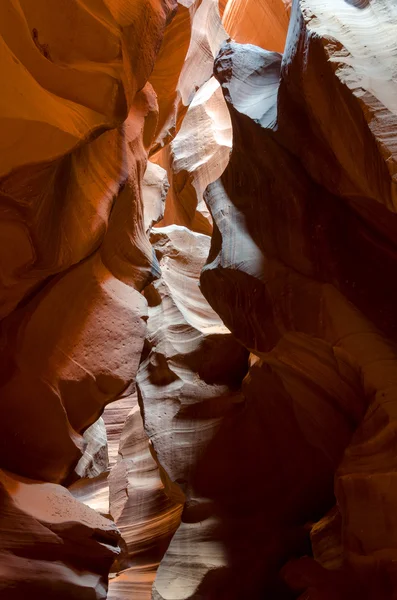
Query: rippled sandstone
point(197, 299)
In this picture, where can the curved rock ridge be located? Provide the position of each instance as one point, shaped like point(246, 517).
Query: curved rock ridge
point(58, 187)
point(199, 117)
point(185, 63)
point(60, 351)
point(212, 446)
point(145, 515)
point(198, 351)
point(198, 155)
point(194, 361)
point(95, 459)
point(295, 252)
point(239, 531)
point(52, 546)
point(92, 486)
point(349, 142)
point(167, 71)
point(55, 353)
point(78, 119)
point(131, 492)
point(325, 240)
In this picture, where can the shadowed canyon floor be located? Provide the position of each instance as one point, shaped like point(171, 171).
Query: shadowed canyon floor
point(198, 325)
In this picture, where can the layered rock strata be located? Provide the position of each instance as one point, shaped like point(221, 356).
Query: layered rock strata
point(189, 384)
point(300, 243)
point(78, 119)
point(52, 546)
point(255, 457)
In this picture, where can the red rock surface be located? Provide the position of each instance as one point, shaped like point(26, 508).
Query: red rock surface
point(198, 356)
point(51, 545)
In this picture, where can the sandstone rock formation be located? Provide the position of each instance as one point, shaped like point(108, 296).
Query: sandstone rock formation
point(77, 215)
point(196, 157)
point(197, 299)
point(260, 22)
point(78, 119)
point(201, 117)
point(297, 241)
point(189, 383)
point(51, 545)
point(145, 515)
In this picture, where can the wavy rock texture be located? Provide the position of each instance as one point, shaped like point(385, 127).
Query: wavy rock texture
point(78, 84)
point(128, 486)
point(198, 367)
point(52, 546)
point(78, 118)
point(185, 62)
point(63, 364)
point(236, 439)
point(145, 515)
point(166, 75)
point(55, 353)
point(129, 489)
point(200, 117)
point(338, 41)
point(196, 157)
point(205, 411)
point(95, 459)
point(299, 230)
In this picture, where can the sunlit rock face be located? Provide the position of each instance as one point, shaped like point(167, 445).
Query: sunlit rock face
point(196, 157)
point(189, 385)
point(197, 299)
point(144, 513)
point(260, 22)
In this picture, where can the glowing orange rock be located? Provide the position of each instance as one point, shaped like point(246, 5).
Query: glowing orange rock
point(260, 22)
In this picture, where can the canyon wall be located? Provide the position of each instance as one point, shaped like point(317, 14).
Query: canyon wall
point(198, 327)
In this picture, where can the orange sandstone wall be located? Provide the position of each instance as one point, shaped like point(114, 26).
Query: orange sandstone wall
point(197, 300)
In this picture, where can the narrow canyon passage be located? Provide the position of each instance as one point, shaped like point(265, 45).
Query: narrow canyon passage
point(198, 324)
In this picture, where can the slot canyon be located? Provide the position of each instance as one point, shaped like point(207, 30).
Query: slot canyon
point(198, 300)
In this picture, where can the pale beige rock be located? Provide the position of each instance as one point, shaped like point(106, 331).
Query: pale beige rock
point(93, 492)
point(95, 458)
point(145, 494)
point(198, 366)
point(190, 44)
point(199, 154)
point(114, 416)
point(146, 517)
point(154, 191)
point(207, 37)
